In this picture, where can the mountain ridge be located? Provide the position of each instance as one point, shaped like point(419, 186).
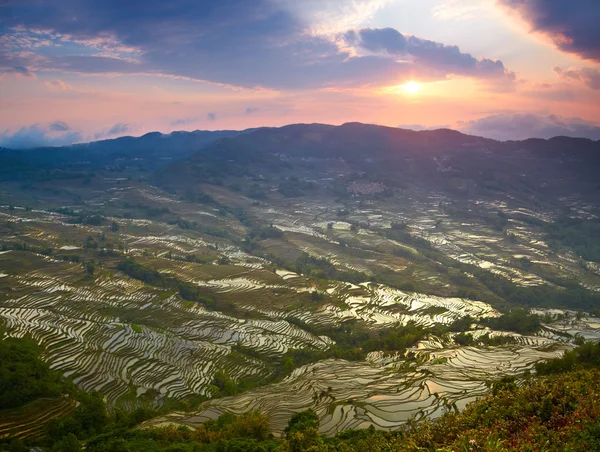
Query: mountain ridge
point(234, 132)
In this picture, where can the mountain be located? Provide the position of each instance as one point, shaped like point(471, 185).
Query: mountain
point(374, 275)
point(150, 151)
point(438, 160)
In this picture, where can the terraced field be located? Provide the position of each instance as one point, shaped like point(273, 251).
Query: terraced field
point(383, 391)
point(31, 421)
point(274, 276)
point(122, 338)
point(174, 348)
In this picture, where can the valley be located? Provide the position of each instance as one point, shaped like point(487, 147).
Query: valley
point(375, 288)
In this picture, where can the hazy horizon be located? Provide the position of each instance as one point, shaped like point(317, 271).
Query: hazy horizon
point(414, 127)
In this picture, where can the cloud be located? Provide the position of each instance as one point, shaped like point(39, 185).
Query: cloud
point(251, 110)
point(274, 44)
point(550, 92)
point(183, 121)
point(58, 85)
point(211, 116)
point(520, 126)
point(54, 134)
point(118, 129)
point(571, 25)
point(418, 127)
point(590, 77)
point(429, 57)
point(17, 71)
point(332, 16)
point(457, 9)
point(59, 126)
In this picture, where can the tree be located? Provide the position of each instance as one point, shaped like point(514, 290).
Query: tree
point(90, 268)
point(302, 432)
point(302, 420)
point(69, 443)
point(16, 445)
point(23, 376)
point(288, 364)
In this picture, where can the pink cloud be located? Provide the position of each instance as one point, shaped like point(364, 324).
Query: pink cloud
point(58, 85)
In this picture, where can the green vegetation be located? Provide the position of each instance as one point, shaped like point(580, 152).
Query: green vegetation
point(22, 246)
point(147, 275)
point(293, 187)
point(186, 290)
point(551, 414)
point(246, 433)
point(572, 295)
point(518, 320)
point(395, 339)
point(353, 344)
point(464, 339)
point(400, 232)
point(580, 236)
point(222, 385)
point(23, 376)
point(321, 268)
point(256, 192)
point(255, 235)
point(554, 414)
point(584, 356)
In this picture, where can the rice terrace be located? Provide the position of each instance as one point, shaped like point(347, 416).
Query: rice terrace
point(372, 310)
point(315, 226)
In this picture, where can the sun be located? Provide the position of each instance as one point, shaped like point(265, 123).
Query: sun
point(411, 87)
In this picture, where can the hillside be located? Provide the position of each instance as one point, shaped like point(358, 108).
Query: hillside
point(374, 275)
point(439, 161)
point(554, 411)
point(146, 152)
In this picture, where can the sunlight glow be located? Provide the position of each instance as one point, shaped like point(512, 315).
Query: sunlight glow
point(411, 87)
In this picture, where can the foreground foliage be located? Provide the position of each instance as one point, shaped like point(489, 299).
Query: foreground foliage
point(559, 412)
point(23, 376)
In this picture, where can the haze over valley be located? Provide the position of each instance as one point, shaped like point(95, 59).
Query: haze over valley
point(307, 275)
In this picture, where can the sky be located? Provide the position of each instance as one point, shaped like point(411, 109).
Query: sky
point(83, 70)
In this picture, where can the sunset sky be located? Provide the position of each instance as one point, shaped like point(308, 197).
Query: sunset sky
point(82, 70)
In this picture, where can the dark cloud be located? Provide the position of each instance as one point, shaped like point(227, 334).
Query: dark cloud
point(19, 71)
point(251, 110)
point(377, 40)
point(587, 75)
point(427, 55)
point(38, 135)
point(572, 25)
point(211, 116)
point(59, 126)
point(520, 126)
point(241, 43)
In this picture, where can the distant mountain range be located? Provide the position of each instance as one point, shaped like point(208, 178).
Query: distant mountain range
point(441, 158)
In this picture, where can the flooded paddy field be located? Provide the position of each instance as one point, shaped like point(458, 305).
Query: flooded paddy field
point(379, 393)
point(135, 342)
